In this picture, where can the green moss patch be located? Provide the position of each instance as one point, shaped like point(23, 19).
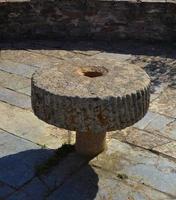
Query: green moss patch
point(59, 155)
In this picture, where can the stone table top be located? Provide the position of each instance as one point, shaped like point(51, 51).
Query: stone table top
point(73, 79)
point(100, 95)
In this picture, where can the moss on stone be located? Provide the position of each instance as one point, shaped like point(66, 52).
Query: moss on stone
point(59, 155)
point(122, 176)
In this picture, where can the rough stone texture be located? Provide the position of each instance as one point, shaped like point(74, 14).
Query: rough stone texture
point(67, 97)
point(107, 20)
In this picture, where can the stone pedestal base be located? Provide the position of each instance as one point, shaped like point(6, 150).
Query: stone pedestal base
point(90, 144)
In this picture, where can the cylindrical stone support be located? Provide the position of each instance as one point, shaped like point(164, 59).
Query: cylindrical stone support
point(90, 144)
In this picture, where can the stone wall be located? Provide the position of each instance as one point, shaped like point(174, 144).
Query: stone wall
point(95, 19)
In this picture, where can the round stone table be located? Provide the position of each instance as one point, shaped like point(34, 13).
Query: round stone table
point(91, 97)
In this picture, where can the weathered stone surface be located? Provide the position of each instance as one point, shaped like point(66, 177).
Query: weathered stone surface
point(18, 159)
point(161, 69)
point(162, 73)
point(13, 81)
point(17, 68)
point(145, 120)
point(169, 131)
point(26, 90)
point(141, 138)
point(24, 124)
point(166, 103)
point(113, 56)
point(168, 149)
point(138, 165)
point(95, 183)
point(10, 144)
point(29, 58)
point(15, 98)
point(69, 96)
point(159, 123)
point(55, 53)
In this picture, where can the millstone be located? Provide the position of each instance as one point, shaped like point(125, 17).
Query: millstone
point(91, 97)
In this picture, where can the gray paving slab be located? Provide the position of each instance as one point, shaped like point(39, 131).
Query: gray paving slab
point(30, 58)
point(19, 196)
point(93, 183)
point(5, 190)
point(113, 56)
point(25, 124)
point(139, 165)
point(168, 149)
point(35, 190)
point(84, 185)
point(159, 123)
point(18, 159)
point(26, 90)
point(56, 53)
point(141, 138)
point(169, 131)
point(10, 144)
point(146, 120)
point(63, 171)
point(17, 68)
point(15, 98)
point(166, 103)
point(15, 172)
point(13, 81)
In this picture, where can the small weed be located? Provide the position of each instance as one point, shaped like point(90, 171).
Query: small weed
point(44, 146)
point(59, 154)
point(122, 176)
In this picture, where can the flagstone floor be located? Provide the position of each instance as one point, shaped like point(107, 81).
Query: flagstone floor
point(140, 161)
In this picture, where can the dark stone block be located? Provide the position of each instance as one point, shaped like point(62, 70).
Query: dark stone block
point(103, 20)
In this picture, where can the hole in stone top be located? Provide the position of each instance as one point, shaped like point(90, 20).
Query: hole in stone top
point(92, 72)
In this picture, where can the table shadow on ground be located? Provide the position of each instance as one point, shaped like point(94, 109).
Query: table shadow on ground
point(18, 171)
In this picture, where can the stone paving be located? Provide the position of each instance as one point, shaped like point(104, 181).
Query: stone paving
point(140, 162)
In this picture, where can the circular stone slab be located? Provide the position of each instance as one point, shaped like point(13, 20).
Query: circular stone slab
point(91, 95)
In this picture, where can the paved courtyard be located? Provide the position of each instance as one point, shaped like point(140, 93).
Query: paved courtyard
point(140, 162)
